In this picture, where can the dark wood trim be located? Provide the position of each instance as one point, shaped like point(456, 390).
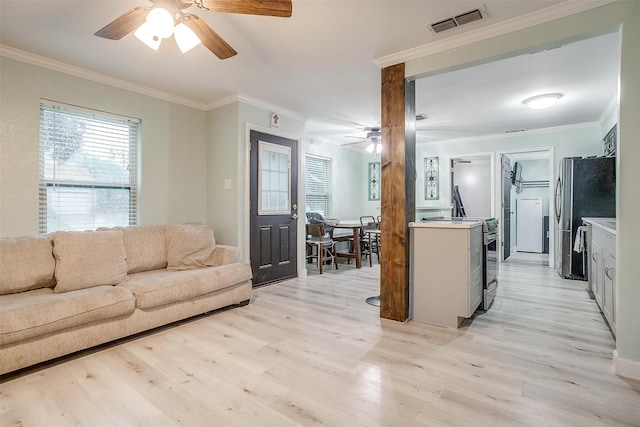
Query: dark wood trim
point(398, 190)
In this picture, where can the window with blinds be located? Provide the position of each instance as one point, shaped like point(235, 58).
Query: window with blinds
point(88, 169)
point(318, 185)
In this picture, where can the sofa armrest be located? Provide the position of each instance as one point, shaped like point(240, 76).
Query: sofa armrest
point(225, 255)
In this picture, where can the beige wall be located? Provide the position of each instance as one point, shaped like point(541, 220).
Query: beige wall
point(623, 15)
point(172, 155)
point(222, 163)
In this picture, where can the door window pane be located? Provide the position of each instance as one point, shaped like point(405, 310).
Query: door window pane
point(274, 162)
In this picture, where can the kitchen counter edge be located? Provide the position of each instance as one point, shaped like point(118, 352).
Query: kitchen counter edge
point(607, 224)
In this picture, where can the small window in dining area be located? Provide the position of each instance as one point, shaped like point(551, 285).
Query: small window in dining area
point(88, 168)
point(318, 185)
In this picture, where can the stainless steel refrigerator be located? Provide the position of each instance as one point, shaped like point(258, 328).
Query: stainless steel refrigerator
point(586, 187)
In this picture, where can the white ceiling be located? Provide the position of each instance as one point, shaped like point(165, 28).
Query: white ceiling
point(319, 64)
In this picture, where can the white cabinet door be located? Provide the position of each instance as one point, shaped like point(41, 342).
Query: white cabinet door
point(609, 292)
point(596, 271)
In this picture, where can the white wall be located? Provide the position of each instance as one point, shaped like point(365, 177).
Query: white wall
point(172, 155)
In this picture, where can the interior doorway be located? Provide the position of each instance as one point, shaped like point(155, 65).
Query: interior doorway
point(528, 236)
point(471, 185)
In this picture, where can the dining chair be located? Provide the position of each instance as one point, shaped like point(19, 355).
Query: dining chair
point(317, 218)
point(324, 245)
point(369, 232)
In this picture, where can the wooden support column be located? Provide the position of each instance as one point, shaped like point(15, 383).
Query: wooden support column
point(398, 196)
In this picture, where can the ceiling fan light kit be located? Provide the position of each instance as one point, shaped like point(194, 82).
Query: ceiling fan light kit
point(541, 102)
point(160, 25)
point(166, 18)
point(185, 38)
point(375, 145)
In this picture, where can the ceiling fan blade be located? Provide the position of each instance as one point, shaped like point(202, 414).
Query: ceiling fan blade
point(353, 143)
point(208, 37)
point(281, 8)
point(124, 24)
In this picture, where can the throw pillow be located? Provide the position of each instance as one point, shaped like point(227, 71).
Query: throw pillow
point(85, 259)
point(189, 246)
point(25, 263)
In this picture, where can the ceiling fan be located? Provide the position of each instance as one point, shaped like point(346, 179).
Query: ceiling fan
point(373, 136)
point(166, 17)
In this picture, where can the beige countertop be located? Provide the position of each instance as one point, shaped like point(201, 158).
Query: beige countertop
point(445, 223)
point(607, 224)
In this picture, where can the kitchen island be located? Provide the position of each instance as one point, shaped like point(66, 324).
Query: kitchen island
point(445, 271)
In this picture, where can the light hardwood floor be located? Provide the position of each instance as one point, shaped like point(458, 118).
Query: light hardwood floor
point(312, 352)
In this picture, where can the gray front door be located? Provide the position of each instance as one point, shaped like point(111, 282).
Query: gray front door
point(274, 204)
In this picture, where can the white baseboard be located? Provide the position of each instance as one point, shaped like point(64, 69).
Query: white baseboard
point(625, 367)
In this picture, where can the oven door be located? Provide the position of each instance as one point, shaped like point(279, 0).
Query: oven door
point(491, 266)
point(491, 246)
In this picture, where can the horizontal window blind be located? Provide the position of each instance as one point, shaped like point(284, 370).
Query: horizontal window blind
point(88, 169)
point(318, 185)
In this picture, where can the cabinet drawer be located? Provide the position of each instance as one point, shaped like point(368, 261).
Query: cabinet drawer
point(605, 239)
point(475, 236)
point(475, 290)
point(475, 257)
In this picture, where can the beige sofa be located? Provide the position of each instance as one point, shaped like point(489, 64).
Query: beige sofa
point(73, 290)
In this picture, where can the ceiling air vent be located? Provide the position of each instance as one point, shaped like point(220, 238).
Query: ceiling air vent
point(456, 21)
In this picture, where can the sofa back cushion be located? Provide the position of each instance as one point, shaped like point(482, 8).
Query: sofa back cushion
point(86, 258)
point(189, 246)
point(146, 248)
point(26, 263)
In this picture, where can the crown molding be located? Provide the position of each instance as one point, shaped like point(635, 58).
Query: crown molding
point(54, 65)
point(541, 16)
point(529, 132)
point(613, 104)
point(256, 103)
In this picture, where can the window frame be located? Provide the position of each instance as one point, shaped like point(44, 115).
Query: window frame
point(91, 118)
point(324, 197)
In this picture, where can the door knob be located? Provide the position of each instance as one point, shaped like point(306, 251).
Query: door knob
point(294, 216)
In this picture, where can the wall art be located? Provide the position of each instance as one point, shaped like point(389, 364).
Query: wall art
point(374, 181)
point(431, 179)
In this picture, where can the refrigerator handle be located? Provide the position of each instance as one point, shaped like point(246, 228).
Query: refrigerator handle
point(558, 199)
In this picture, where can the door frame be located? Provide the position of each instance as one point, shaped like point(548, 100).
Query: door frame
point(245, 200)
point(552, 198)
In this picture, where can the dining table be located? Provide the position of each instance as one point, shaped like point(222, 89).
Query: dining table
point(355, 226)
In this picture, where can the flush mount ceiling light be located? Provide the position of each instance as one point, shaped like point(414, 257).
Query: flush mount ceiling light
point(540, 102)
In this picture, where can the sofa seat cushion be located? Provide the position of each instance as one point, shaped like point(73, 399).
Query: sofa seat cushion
point(161, 287)
point(26, 263)
point(42, 311)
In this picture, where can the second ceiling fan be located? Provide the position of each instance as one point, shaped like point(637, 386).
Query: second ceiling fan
point(166, 17)
point(373, 137)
